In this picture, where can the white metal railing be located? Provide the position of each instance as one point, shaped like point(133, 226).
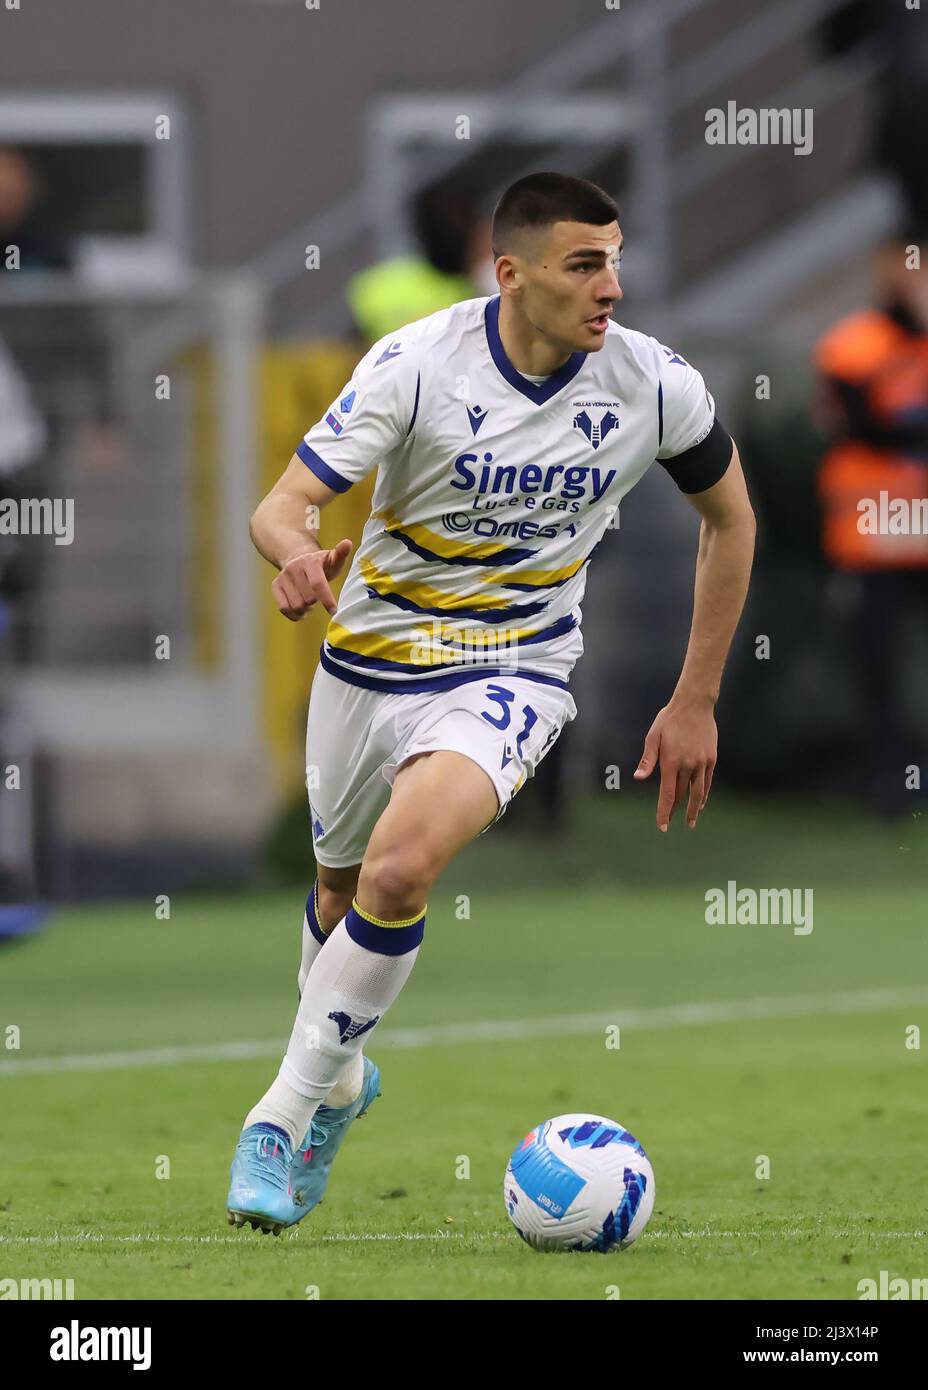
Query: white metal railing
point(661, 178)
point(635, 33)
point(127, 574)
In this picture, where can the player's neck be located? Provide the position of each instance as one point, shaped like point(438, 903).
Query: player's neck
point(527, 350)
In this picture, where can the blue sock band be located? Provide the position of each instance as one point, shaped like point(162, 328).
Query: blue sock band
point(312, 914)
point(386, 938)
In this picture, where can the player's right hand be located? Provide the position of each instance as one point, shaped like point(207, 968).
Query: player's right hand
point(304, 581)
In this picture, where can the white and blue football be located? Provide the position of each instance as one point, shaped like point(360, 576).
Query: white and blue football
point(579, 1182)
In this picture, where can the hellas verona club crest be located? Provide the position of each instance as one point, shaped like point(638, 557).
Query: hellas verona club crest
point(595, 419)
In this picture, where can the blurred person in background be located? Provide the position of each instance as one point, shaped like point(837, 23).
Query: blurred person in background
point(21, 220)
point(453, 263)
point(873, 402)
point(22, 439)
point(62, 348)
point(22, 431)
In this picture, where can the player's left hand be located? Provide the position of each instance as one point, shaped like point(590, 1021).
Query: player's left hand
point(684, 740)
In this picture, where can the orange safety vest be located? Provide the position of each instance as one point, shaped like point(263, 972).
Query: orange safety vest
point(875, 499)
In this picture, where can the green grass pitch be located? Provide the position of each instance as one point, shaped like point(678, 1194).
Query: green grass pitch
point(608, 925)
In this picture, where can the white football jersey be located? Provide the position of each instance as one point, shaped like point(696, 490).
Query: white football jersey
point(493, 493)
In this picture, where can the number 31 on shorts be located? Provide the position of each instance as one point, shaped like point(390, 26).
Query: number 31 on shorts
point(499, 695)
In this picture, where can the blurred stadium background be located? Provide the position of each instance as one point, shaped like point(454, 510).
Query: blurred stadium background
point(218, 203)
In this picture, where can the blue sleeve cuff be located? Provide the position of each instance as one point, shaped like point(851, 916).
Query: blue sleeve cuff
point(321, 469)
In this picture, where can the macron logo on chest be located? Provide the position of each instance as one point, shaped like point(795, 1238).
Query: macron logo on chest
point(476, 415)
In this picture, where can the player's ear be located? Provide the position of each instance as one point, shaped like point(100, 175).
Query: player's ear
point(508, 275)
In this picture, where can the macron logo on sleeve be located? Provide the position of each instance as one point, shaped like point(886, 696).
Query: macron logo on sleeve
point(393, 350)
point(675, 357)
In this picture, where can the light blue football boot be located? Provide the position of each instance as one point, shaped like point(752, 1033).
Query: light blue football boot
point(259, 1192)
point(312, 1162)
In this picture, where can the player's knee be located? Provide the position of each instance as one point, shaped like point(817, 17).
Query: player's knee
point(398, 882)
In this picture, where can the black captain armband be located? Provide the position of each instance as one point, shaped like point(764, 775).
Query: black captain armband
point(704, 464)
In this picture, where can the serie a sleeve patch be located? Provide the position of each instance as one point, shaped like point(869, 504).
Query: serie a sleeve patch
point(702, 466)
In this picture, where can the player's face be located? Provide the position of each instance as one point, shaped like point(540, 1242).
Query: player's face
point(569, 283)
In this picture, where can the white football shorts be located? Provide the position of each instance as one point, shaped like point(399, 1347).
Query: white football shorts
point(357, 739)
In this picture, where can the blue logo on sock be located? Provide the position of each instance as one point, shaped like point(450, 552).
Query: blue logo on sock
point(348, 1028)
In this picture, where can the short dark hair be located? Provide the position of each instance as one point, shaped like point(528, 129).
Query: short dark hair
point(542, 199)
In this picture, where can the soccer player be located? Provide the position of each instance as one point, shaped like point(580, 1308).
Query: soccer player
point(506, 430)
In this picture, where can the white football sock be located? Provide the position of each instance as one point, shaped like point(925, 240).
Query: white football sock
point(280, 1105)
point(348, 1086)
point(314, 937)
point(351, 1078)
point(350, 986)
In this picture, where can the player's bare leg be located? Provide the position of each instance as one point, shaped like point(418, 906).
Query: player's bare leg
point(336, 889)
point(441, 800)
